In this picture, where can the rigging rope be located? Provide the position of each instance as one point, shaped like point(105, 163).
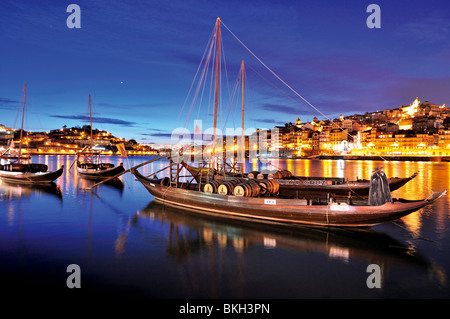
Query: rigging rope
point(295, 92)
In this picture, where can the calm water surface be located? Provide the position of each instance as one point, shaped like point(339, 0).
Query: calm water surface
point(126, 244)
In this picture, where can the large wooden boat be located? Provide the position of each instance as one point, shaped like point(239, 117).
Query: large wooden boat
point(275, 210)
point(89, 162)
point(227, 196)
point(17, 168)
point(291, 185)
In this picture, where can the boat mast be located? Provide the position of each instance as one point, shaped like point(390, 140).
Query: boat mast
point(90, 116)
point(23, 116)
point(92, 159)
point(217, 89)
point(242, 133)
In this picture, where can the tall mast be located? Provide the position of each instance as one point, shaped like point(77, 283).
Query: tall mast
point(90, 115)
point(217, 86)
point(23, 116)
point(242, 133)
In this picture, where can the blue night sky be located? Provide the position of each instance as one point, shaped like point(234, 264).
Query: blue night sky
point(138, 59)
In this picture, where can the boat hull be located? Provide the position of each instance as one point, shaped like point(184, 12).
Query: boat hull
point(31, 178)
point(97, 173)
point(294, 186)
point(281, 211)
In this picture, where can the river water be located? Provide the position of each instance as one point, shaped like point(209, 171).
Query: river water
point(127, 245)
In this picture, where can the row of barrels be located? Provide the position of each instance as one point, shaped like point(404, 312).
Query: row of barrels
point(242, 187)
point(280, 174)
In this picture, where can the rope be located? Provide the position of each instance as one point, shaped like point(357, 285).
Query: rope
point(294, 91)
point(270, 70)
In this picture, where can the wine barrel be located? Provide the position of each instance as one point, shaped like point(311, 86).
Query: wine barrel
point(212, 187)
point(249, 188)
point(282, 174)
point(269, 186)
point(227, 187)
point(286, 173)
point(253, 174)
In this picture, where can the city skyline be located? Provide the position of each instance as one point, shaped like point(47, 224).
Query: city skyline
point(138, 60)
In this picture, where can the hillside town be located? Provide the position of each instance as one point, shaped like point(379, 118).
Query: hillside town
point(69, 141)
point(417, 129)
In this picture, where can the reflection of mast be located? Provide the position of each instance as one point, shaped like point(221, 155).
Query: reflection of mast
point(89, 234)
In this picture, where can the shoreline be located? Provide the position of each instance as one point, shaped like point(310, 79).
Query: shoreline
point(386, 158)
point(319, 157)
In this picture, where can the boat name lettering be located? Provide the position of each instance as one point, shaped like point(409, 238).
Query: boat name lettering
point(341, 207)
point(270, 201)
point(313, 182)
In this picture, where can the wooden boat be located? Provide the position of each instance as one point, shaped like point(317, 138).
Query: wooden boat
point(89, 163)
point(337, 186)
point(28, 173)
point(17, 168)
point(291, 185)
point(269, 209)
point(260, 200)
point(96, 170)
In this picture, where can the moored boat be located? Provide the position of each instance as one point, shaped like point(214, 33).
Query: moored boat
point(28, 173)
point(18, 168)
point(89, 163)
point(97, 170)
point(291, 185)
point(271, 209)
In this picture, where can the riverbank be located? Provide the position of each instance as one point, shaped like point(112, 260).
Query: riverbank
point(387, 158)
point(318, 157)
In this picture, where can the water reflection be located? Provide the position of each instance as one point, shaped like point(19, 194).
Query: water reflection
point(9, 191)
point(187, 255)
point(116, 183)
point(190, 234)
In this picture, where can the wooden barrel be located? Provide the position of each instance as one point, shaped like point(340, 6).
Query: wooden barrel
point(227, 187)
point(282, 174)
point(277, 175)
point(269, 186)
point(212, 187)
point(253, 174)
point(261, 176)
point(286, 173)
point(249, 188)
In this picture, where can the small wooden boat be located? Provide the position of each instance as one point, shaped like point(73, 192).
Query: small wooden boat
point(28, 173)
point(89, 163)
point(17, 168)
point(96, 170)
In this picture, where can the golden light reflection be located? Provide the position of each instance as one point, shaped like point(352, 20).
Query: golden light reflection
point(306, 168)
point(328, 168)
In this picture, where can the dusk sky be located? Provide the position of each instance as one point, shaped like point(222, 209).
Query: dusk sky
point(138, 59)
